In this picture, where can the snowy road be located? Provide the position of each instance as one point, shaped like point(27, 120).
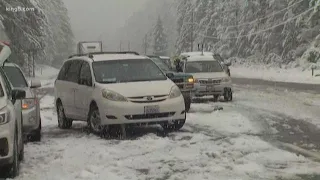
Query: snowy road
point(277, 84)
point(241, 142)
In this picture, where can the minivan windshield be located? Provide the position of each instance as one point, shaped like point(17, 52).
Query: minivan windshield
point(131, 70)
point(15, 76)
point(203, 67)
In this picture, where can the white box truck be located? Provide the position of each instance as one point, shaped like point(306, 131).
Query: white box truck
point(85, 47)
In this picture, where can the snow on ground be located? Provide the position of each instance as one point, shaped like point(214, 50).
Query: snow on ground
point(298, 105)
point(189, 154)
point(46, 74)
point(275, 74)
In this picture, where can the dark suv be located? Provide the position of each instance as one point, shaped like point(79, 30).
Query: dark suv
point(184, 81)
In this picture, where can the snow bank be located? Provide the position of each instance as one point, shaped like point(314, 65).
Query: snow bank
point(225, 122)
point(275, 74)
point(300, 106)
point(46, 74)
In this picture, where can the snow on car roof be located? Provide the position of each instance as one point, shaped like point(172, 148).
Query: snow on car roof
point(201, 58)
point(197, 53)
point(164, 57)
point(110, 57)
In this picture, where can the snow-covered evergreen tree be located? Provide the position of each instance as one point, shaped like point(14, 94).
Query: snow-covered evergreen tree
point(44, 33)
point(24, 29)
point(268, 31)
point(160, 39)
point(60, 38)
point(185, 26)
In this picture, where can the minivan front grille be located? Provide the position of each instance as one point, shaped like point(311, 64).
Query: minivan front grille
point(148, 99)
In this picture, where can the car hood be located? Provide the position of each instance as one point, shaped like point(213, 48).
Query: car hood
point(133, 89)
point(179, 74)
point(28, 91)
point(3, 102)
point(215, 75)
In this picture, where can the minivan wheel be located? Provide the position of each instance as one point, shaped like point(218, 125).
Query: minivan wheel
point(174, 126)
point(94, 120)
point(63, 121)
point(12, 170)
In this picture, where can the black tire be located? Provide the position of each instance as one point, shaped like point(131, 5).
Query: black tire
point(228, 96)
point(94, 113)
point(175, 126)
point(63, 121)
point(187, 103)
point(13, 169)
point(36, 134)
point(21, 154)
point(215, 98)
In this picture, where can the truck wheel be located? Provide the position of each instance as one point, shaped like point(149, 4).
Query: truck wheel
point(187, 103)
point(215, 98)
point(228, 95)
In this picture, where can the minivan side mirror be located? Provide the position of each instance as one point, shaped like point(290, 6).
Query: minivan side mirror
point(18, 94)
point(35, 83)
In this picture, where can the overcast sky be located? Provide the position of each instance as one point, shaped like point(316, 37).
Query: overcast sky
point(96, 19)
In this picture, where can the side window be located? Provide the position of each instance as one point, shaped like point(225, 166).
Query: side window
point(85, 75)
point(7, 85)
point(64, 70)
point(73, 72)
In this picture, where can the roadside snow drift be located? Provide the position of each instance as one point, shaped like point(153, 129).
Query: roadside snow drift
point(275, 74)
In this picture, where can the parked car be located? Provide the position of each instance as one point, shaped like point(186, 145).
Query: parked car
point(182, 80)
point(30, 105)
point(218, 57)
point(116, 88)
point(210, 76)
point(11, 136)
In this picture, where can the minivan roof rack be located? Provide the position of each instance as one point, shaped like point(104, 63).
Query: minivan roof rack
point(90, 55)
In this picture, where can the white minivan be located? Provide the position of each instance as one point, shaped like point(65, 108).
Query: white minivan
point(116, 88)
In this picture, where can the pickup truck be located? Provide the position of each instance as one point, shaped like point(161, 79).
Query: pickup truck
point(184, 81)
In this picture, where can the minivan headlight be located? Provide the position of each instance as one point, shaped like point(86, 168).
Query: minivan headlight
point(113, 96)
point(4, 118)
point(175, 92)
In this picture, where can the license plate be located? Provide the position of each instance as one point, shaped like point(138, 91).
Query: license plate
point(151, 109)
